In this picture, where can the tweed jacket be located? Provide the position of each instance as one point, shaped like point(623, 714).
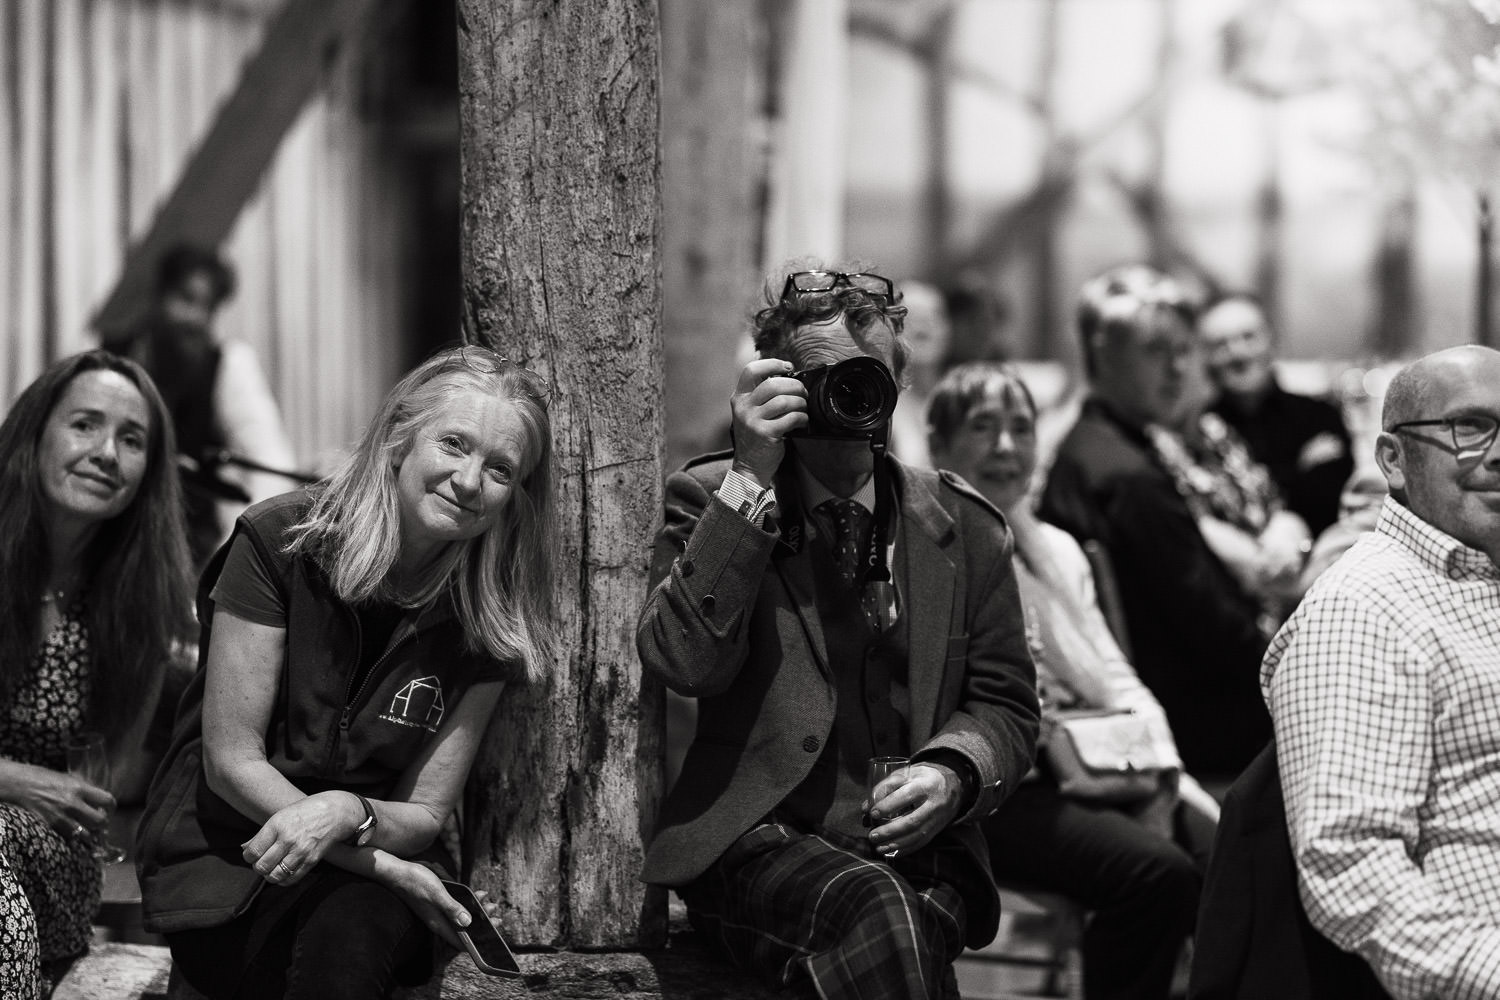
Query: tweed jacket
point(732, 621)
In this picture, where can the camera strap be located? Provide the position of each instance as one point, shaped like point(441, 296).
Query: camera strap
point(879, 597)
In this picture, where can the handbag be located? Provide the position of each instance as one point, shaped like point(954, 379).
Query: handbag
point(1104, 755)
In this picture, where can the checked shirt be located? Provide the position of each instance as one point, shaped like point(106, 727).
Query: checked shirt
point(1385, 691)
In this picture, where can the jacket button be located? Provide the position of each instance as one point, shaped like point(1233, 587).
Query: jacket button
point(706, 606)
point(810, 744)
point(687, 568)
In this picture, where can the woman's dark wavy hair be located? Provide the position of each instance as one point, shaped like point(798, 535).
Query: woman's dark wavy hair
point(774, 325)
point(139, 601)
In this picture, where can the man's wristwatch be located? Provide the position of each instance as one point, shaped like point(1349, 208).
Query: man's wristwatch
point(362, 833)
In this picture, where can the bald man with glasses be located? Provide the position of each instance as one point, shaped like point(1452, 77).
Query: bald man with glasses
point(1384, 688)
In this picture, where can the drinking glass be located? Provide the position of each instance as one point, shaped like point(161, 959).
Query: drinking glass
point(88, 759)
point(881, 768)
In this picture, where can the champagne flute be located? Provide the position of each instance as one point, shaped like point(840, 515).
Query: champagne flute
point(88, 759)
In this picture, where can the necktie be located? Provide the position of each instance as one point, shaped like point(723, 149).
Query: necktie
point(851, 539)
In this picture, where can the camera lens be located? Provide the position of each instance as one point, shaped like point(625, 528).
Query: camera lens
point(850, 399)
point(861, 394)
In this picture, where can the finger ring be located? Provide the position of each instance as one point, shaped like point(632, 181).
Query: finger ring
point(282, 866)
point(78, 830)
point(893, 852)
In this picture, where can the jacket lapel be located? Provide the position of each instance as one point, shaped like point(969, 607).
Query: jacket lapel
point(927, 533)
point(926, 537)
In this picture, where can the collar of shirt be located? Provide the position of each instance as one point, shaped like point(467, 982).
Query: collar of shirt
point(814, 493)
point(1438, 549)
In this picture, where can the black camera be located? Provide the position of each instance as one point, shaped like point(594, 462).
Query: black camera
point(852, 399)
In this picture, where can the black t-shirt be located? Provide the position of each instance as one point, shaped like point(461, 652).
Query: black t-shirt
point(247, 589)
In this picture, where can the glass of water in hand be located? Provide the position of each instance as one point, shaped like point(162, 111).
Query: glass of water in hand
point(88, 758)
point(880, 768)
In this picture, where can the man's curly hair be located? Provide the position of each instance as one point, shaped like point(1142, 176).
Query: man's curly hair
point(774, 325)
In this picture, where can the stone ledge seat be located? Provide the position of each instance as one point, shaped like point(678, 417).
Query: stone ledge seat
point(681, 971)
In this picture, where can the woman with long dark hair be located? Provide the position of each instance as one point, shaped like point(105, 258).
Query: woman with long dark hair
point(95, 595)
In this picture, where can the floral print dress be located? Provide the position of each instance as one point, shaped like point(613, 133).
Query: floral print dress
point(49, 884)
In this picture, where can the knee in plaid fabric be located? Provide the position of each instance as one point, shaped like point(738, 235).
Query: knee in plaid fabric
point(796, 910)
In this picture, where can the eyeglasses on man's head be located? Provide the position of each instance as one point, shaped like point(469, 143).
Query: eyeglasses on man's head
point(881, 290)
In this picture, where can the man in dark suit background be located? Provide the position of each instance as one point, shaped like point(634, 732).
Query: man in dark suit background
point(1195, 635)
point(1302, 441)
point(826, 604)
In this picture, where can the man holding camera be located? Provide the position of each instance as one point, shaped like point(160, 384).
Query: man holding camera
point(829, 606)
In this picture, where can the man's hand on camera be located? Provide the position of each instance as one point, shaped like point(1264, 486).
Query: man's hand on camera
point(767, 405)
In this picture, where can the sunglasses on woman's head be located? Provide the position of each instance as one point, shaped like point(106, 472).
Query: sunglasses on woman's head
point(482, 359)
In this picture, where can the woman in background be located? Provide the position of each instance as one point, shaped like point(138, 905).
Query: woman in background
point(94, 582)
point(1123, 862)
point(356, 638)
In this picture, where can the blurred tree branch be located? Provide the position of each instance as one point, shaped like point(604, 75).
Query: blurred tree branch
point(1429, 74)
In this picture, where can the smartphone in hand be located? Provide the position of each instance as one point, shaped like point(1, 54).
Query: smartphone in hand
point(481, 940)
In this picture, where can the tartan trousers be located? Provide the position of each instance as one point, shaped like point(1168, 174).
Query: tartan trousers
point(827, 923)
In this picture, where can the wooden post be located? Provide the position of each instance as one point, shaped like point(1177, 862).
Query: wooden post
point(1394, 318)
point(1484, 332)
point(560, 201)
point(937, 95)
point(714, 81)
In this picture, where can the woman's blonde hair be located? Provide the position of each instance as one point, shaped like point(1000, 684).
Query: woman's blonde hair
point(500, 581)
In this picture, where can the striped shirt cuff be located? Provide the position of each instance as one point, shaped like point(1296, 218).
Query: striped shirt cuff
point(743, 494)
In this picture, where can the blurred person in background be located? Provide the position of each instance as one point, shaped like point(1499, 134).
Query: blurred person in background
point(1195, 632)
point(1359, 512)
point(1237, 505)
point(355, 639)
point(977, 316)
point(1122, 861)
point(221, 404)
point(95, 568)
point(1302, 441)
point(928, 336)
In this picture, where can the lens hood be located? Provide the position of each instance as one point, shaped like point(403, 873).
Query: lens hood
point(851, 399)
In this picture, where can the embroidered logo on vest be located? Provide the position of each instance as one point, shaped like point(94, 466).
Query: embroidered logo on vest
point(419, 705)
